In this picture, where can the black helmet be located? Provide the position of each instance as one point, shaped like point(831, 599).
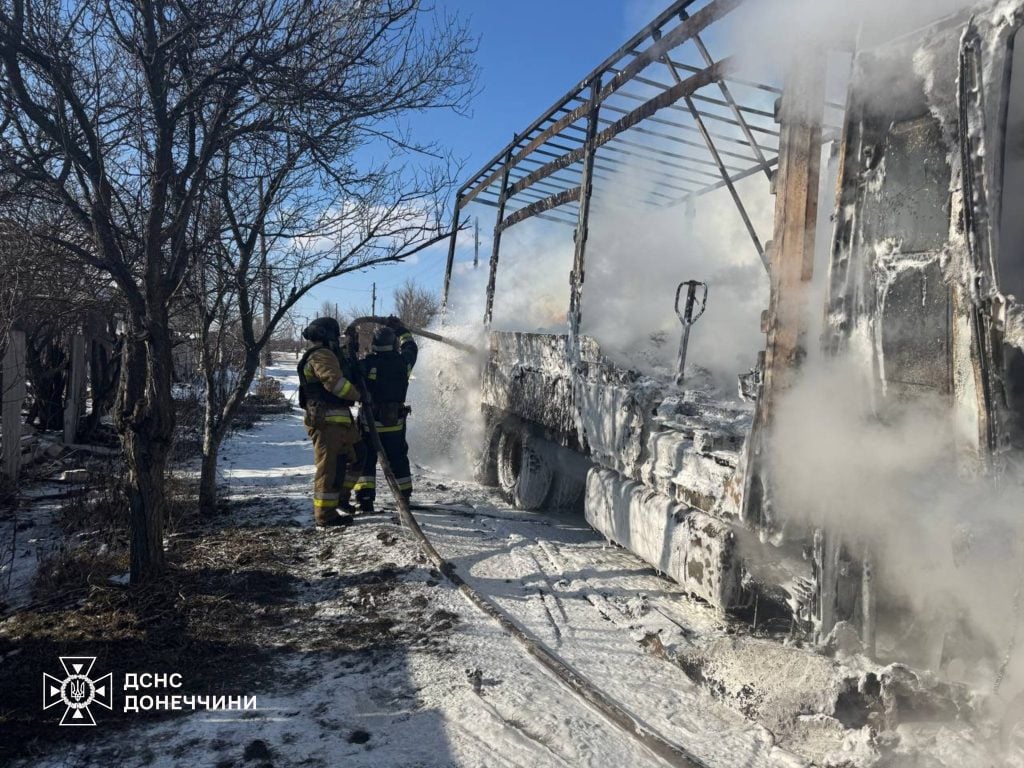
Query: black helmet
point(384, 340)
point(323, 329)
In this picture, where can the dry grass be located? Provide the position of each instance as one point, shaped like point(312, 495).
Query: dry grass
point(237, 602)
point(268, 392)
point(213, 619)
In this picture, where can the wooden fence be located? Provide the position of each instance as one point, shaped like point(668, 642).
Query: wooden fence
point(13, 378)
point(14, 391)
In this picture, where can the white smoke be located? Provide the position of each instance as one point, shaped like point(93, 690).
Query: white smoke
point(446, 432)
point(446, 428)
point(889, 478)
point(896, 477)
point(886, 477)
point(810, 25)
point(636, 258)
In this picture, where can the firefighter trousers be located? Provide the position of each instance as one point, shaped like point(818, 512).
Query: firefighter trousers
point(392, 439)
point(338, 456)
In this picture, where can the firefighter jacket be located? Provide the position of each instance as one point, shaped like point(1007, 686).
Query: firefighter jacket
point(325, 381)
point(407, 348)
point(387, 373)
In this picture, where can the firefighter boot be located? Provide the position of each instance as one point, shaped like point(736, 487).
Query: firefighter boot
point(331, 517)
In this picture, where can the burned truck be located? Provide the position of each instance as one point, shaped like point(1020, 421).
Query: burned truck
point(896, 234)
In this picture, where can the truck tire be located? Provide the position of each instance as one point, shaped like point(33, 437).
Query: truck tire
point(566, 491)
point(523, 475)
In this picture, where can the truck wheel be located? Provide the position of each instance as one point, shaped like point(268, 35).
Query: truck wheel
point(566, 491)
point(523, 474)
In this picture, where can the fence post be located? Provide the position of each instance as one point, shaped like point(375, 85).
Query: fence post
point(76, 389)
point(13, 397)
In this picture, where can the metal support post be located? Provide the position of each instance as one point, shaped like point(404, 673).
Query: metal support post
point(496, 244)
point(449, 265)
point(582, 228)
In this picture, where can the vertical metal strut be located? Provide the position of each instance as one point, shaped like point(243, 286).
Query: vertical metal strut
point(586, 191)
point(496, 244)
point(451, 257)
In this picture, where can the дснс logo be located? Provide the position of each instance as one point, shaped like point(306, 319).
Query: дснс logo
point(77, 691)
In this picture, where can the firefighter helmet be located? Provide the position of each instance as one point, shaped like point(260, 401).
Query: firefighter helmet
point(323, 329)
point(384, 340)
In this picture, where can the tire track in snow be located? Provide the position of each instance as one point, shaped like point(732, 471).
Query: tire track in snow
point(720, 735)
point(519, 555)
point(608, 610)
point(521, 728)
point(552, 555)
point(671, 753)
point(498, 525)
point(606, 607)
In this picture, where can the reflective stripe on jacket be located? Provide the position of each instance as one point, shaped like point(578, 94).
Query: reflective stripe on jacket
point(322, 379)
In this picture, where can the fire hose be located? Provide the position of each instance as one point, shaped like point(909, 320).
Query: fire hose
point(421, 332)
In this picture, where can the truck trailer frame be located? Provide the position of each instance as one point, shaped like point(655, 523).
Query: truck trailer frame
point(685, 482)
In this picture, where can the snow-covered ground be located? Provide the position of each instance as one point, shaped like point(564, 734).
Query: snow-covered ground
point(372, 658)
point(483, 700)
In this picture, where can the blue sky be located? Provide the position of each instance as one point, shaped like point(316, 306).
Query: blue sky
point(530, 53)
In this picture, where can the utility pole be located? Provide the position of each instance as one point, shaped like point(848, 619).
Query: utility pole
point(267, 356)
point(267, 359)
point(476, 242)
point(373, 300)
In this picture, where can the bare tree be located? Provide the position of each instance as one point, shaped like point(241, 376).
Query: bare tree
point(376, 233)
point(331, 309)
point(135, 116)
point(416, 305)
point(296, 203)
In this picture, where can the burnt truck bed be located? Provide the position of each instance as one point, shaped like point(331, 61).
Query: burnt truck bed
point(663, 479)
point(896, 211)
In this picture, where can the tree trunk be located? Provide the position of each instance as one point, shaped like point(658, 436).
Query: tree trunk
point(217, 420)
point(213, 437)
point(145, 421)
point(46, 367)
point(147, 507)
point(103, 378)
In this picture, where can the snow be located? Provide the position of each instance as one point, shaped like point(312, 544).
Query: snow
point(27, 537)
point(581, 597)
point(441, 684)
point(420, 704)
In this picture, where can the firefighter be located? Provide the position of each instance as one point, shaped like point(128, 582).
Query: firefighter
point(326, 394)
point(386, 371)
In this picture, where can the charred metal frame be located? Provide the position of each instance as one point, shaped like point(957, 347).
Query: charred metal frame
point(587, 188)
point(564, 155)
point(691, 135)
point(496, 245)
point(556, 164)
